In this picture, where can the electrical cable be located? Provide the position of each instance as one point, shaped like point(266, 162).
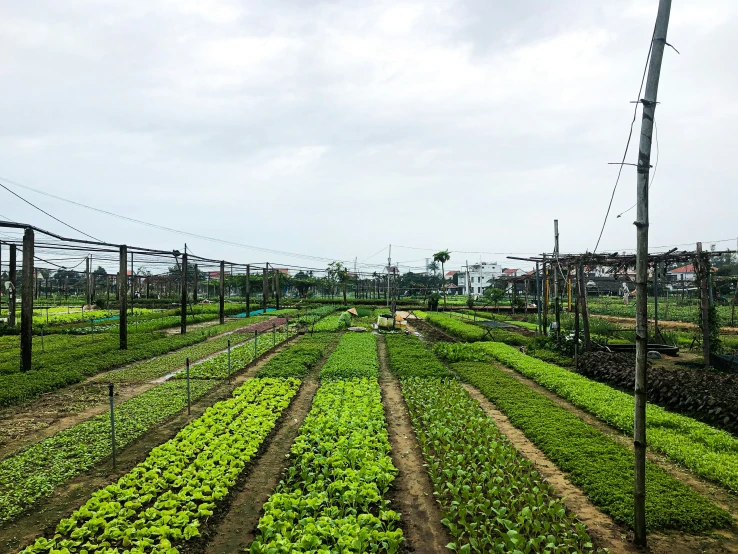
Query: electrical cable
point(47, 213)
point(169, 229)
point(655, 166)
point(630, 135)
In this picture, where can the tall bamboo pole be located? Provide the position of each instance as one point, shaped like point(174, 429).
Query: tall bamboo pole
point(642, 223)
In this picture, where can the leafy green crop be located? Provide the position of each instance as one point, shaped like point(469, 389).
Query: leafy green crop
point(355, 356)
point(409, 358)
point(470, 332)
point(600, 466)
point(164, 500)
point(703, 449)
point(241, 356)
point(492, 499)
point(298, 360)
point(331, 497)
point(36, 471)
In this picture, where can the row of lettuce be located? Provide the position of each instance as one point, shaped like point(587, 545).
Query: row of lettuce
point(35, 471)
point(167, 500)
point(332, 497)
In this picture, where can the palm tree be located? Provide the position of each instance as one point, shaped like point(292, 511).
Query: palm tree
point(442, 257)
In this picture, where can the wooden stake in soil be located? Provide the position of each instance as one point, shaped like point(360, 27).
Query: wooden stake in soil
point(642, 223)
point(112, 421)
point(26, 338)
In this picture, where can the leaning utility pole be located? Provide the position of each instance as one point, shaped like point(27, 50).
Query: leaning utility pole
point(641, 223)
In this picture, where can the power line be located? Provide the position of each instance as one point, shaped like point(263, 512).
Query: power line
point(627, 144)
point(169, 229)
point(378, 252)
point(655, 166)
point(47, 213)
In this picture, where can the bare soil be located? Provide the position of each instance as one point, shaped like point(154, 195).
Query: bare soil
point(413, 493)
point(70, 496)
point(664, 324)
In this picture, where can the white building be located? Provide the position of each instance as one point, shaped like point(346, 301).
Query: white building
point(480, 275)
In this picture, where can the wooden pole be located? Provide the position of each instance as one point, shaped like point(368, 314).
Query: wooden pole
point(585, 312)
point(642, 224)
point(576, 322)
point(545, 296)
point(265, 288)
point(221, 310)
point(121, 285)
point(183, 308)
point(248, 290)
point(276, 287)
point(703, 273)
point(538, 299)
point(656, 300)
point(194, 286)
point(26, 336)
point(557, 270)
point(87, 281)
point(133, 283)
point(12, 276)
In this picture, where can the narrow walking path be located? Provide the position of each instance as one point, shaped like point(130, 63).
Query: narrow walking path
point(413, 492)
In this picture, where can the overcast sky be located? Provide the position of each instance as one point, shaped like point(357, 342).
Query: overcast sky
point(332, 128)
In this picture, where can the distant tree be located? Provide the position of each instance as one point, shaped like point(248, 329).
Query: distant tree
point(442, 257)
point(495, 295)
point(338, 273)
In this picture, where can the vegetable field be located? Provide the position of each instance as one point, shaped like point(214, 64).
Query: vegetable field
point(349, 442)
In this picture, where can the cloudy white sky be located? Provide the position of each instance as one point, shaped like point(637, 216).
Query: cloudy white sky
point(333, 128)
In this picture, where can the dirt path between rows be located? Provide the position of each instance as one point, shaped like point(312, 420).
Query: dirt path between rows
point(603, 530)
point(413, 493)
point(68, 497)
point(27, 424)
point(237, 530)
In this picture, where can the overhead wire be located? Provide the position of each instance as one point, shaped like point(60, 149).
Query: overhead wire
point(47, 213)
point(655, 166)
point(630, 135)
